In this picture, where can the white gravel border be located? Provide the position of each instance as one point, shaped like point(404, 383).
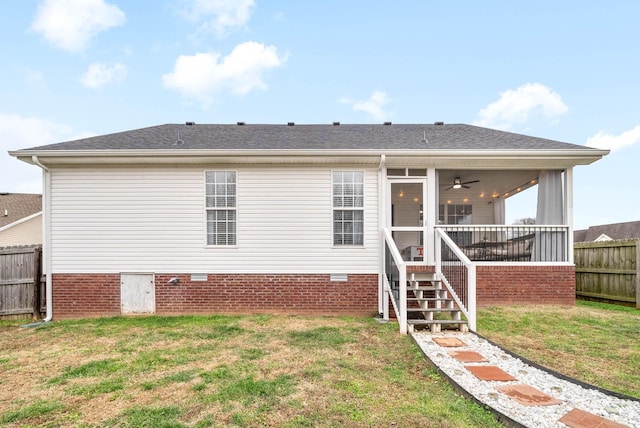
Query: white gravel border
point(572, 395)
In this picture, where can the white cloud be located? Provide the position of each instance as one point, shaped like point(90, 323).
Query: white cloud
point(101, 74)
point(70, 24)
point(373, 105)
point(603, 140)
point(219, 15)
point(203, 75)
point(20, 132)
point(518, 106)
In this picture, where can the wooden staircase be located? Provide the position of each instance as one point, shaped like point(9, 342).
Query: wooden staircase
point(429, 305)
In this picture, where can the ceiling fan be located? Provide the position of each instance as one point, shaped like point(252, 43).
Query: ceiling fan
point(458, 183)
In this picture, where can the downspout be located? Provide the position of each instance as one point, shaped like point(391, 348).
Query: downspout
point(381, 225)
point(46, 238)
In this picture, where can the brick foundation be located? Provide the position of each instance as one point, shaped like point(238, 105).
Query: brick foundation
point(84, 295)
point(421, 269)
point(87, 295)
point(524, 284)
point(508, 285)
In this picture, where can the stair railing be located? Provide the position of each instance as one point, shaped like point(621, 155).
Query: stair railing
point(458, 274)
point(395, 282)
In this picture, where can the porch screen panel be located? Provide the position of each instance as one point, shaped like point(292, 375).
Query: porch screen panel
point(348, 207)
point(221, 207)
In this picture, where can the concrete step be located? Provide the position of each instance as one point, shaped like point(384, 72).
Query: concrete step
point(429, 322)
point(436, 325)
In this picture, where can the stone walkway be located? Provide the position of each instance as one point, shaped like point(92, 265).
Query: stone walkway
point(521, 394)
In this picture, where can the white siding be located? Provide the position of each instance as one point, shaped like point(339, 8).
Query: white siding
point(482, 208)
point(26, 233)
point(153, 220)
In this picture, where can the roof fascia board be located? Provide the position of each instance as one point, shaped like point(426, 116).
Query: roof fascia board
point(518, 162)
point(309, 152)
point(575, 157)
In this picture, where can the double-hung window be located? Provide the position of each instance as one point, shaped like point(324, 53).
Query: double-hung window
point(221, 207)
point(348, 208)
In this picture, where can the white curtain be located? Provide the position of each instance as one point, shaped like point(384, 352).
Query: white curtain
point(549, 246)
point(550, 205)
point(499, 217)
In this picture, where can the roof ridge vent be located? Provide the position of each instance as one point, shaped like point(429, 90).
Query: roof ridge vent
point(387, 123)
point(336, 123)
point(189, 123)
point(240, 123)
point(438, 123)
point(291, 123)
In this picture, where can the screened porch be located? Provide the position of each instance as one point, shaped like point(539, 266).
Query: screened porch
point(472, 211)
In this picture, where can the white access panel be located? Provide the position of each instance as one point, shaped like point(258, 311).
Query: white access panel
point(137, 293)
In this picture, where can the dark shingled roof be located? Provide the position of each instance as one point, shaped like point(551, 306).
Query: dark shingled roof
point(313, 137)
point(18, 206)
point(628, 230)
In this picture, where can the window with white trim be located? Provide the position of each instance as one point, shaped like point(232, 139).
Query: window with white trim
point(348, 207)
point(221, 207)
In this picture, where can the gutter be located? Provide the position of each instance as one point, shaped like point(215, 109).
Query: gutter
point(437, 158)
point(588, 152)
point(381, 225)
point(46, 238)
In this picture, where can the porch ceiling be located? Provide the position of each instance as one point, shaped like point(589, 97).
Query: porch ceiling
point(504, 183)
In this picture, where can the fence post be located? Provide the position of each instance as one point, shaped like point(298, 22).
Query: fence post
point(638, 274)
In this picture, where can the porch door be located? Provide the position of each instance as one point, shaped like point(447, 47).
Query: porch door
point(408, 216)
point(137, 293)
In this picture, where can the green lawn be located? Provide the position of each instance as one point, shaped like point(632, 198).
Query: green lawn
point(223, 371)
point(596, 343)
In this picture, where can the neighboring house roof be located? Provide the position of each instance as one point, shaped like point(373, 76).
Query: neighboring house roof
point(616, 231)
point(580, 235)
point(18, 206)
point(312, 137)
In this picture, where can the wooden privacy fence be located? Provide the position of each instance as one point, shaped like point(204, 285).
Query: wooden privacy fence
point(21, 288)
point(608, 271)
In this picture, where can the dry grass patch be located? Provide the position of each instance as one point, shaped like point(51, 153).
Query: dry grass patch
point(223, 371)
point(595, 343)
